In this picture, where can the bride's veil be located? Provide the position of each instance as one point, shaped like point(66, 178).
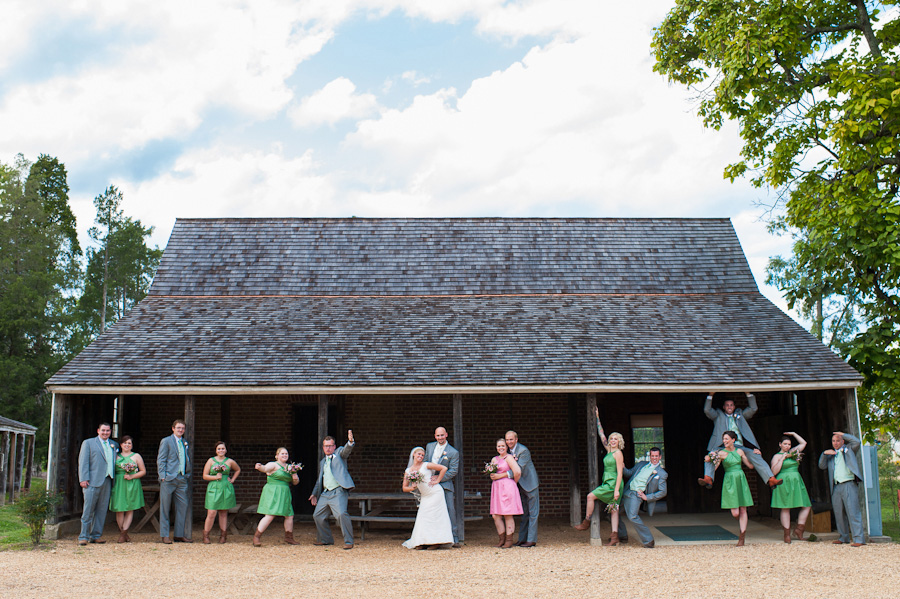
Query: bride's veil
point(411, 453)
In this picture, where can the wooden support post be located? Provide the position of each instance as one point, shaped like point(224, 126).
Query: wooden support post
point(120, 415)
point(29, 463)
point(189, 420)
point(459, 487)
point(574, 490)
point(593, 462)
point(12, 465)
point(4, 466)
point(323, 422)
point(20, 463)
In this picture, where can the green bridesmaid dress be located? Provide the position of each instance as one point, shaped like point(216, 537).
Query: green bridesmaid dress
point(735, 490)
point(275, 499)
point(220, 493)
point(791, 492)
point(126, 495)
point(606, 491)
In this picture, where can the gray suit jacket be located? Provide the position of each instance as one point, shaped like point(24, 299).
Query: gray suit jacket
point(92, 465)
point(720, 422)
point(450, 459)
point(657, 484)
point(826, 462)
point(167, 458)
point(338, 469)
point(529, 479)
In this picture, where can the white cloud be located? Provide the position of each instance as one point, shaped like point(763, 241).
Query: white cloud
point(335, 102)
point(415, 79)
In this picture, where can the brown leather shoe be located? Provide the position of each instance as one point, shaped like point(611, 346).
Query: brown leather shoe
point(223, 537)
point(740, 542)
point(256, 541)
point(837, 542)
point(321, 544)
point(650, 545)
point(613, 539)
point(123, 538)
point(98, 541)
point(787, 535)
point(348, 545)
point(82, 542)
point(623, 539)
point(774, 482)
point(509, 542)
point(857, 544)
point(798, 532)
point(706, 481)
point(167, 540)
point(183, 540)
point(206, 540)
point(501, 539)
point(455, 546)
point(586, 524)
point(289, 538)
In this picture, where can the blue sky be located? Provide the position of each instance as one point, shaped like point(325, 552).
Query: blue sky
point(366, 108)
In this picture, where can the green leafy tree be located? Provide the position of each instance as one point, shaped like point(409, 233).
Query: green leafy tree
point(815, 90)
point(33, 281)
point(120, 266)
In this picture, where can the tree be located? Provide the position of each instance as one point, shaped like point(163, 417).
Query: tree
point(32, 282)
point(120, 267)
point(815, 89)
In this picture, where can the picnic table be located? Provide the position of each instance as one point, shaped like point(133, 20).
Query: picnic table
point(372, 507)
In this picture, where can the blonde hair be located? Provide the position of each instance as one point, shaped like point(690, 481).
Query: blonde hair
point(620, 440)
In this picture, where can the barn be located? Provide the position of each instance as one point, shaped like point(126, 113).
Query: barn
point(269, 332)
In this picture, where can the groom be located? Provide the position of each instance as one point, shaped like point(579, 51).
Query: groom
point(441, 452)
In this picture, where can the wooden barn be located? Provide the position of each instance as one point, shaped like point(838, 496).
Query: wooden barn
point(269, 332)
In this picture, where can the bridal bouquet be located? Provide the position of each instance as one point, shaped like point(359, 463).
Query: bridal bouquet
point(490, 468)
point(414, 478)
point(293, 467)
point(713, 456)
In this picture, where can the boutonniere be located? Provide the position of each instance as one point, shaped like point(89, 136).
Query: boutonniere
point(737, 416)
point(653, 473)
point(515, 457)
point(445, 453)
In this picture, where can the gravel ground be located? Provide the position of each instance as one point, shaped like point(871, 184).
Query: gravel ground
point(563, 564)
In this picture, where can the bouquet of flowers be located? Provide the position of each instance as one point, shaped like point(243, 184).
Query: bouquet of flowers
point(490, 468)
point(218, 469)
point(713, 457)
point(293, 467)
point(793, 455)
point(612, 507)
point(414, 478)
point(129, 467)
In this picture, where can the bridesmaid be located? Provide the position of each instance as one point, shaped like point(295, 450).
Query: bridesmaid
point(505, 499)
point(127, 494)
point(735, 490)
point(612, 486)
point(275, 499)
point(219, 491)
point(792, 493)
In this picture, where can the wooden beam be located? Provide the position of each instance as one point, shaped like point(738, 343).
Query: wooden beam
point(459, 487)
point(574, 489)
point(593, 461)
point(189, 421)
point(29, 463)
point(4, 475)
point(323, 422)
point(11, 465)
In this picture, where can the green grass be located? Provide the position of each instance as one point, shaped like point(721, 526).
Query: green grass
point(889, 523)
point(14, 534)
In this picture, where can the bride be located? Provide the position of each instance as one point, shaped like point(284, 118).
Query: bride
point(432, 520)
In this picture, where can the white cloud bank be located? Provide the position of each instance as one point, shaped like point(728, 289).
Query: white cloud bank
point(335, 102)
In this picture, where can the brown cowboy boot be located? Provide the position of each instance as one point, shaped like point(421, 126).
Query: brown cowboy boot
point(256, 540)
point(509, 541)
point(586, 524)
point(289, 538)
point(206, 540)
point(613, 538)
point(740, 542)
point(798, 532)
point(123, 536)
point(787, 534)
point(223, 536)
point(502, 539)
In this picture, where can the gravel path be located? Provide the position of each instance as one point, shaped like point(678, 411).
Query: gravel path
point(562, 565)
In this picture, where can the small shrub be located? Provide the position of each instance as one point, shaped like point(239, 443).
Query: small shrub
point(34, 508)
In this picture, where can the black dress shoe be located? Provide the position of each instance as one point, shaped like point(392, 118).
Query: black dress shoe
point(456, 545)
point(98, 541)
point(183, 540)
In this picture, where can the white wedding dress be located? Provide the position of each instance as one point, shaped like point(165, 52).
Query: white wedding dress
point(432, 521)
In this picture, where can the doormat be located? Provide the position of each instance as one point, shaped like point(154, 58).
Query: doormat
point(696, 533)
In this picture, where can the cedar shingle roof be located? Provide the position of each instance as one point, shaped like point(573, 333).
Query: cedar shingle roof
point(454, 302)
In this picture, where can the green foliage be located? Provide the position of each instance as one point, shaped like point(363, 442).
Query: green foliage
point(889, 482)
point(815, 89)
point(34, 507)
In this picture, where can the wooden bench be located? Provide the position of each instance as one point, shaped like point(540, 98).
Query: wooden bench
point(375, 513)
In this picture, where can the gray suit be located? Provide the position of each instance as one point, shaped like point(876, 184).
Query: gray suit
point(94, 468)
point(655, 490)
point(335, 499)
point(845, 496)
point(531, 504)
point(173, 484)
point(450, 459)
point(720, 425)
